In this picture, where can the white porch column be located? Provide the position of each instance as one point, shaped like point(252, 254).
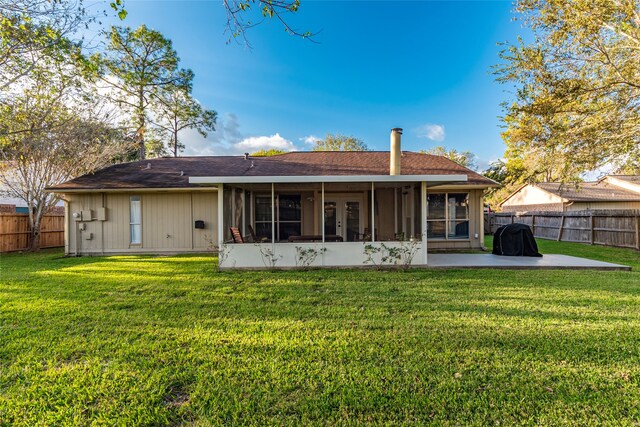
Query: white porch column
point(220, 216)
point(322, 220)
point(373, 213)
point(244, 213)
point(273, 214)
point(423, 214)
point(481, 236)
point(322, 213)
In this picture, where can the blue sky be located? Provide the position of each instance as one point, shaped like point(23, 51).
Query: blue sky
point(424, 66)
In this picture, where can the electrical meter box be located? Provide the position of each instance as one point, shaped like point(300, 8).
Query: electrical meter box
point(101, 214)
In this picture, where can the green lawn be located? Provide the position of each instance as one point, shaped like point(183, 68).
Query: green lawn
point(134, 340)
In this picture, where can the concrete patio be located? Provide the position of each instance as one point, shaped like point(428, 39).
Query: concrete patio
point(547, 262)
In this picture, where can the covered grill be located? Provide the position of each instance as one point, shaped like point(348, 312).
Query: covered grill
point(515, 240)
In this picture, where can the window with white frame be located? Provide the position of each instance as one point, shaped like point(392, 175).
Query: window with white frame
point(448, 215)
point(135, 220)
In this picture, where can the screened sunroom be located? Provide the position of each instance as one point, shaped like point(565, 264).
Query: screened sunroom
point(339, 220)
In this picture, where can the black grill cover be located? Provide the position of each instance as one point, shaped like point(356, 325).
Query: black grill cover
point(515, 240)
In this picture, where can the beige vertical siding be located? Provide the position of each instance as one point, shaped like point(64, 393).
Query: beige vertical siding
point(116, 227)
point(205, 209)
point(385, 214)
point(308, 199)
point(167, 222)
point(78, 241)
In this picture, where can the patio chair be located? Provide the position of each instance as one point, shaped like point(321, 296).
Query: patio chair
point(255, 238)
point(366, 236)
point(237, 236)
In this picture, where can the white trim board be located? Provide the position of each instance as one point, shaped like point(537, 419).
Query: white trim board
point(325, 178)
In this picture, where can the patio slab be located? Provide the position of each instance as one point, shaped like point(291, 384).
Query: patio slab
point(547, 262)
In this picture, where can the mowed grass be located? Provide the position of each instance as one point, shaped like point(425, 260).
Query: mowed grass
point(134, 340)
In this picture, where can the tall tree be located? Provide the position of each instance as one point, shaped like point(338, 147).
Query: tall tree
point(32, 31)
point(577, 98)
point(53, 130)
point(138, 65)
point(463, 158)
point(176, 110)
point(338, 142)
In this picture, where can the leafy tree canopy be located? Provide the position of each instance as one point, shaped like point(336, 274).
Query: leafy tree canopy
point(268, 153)
point(463, 158)
point(338, 142)
point(576, 105)
point(37, 31)
point(175, 110)
point(138, 65)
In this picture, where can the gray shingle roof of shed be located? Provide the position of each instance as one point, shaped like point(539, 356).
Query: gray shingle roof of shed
point(589, 192)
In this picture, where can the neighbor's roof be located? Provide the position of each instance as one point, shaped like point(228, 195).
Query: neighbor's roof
point(589, 192)
point(634, 179)
point(174, 172)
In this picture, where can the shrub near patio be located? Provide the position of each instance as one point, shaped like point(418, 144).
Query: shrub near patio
point(134, 340)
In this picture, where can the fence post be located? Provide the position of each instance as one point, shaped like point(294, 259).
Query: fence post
point(533, 224)
point(591, 227)
point(560, 229)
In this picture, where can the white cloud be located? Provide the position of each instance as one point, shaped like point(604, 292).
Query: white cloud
point(310, 139)
point(229, 140)
point(432, 131)
point(219, 142)
point(256, 143)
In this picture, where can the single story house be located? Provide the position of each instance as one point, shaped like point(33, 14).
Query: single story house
point(270, 211)
point(611, 192)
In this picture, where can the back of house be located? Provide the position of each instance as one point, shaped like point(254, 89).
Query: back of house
point(336, 202)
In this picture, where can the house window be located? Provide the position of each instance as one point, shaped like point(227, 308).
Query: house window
point(448, 216)
point(288, 216)
point(135, 220)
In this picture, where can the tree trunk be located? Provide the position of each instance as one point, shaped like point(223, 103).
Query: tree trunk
point(35, 221)
point(141, 125)
point(35, 240)
point(175, 143)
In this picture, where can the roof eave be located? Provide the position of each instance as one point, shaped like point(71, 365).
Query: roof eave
point(128, 189)
point(325, 178)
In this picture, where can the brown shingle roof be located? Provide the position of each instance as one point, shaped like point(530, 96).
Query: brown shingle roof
point(170, 172)
point(634, 179)
point(589, 192)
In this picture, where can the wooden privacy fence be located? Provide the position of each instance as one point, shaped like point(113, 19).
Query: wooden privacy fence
point(15, 234)
point(610, 228)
